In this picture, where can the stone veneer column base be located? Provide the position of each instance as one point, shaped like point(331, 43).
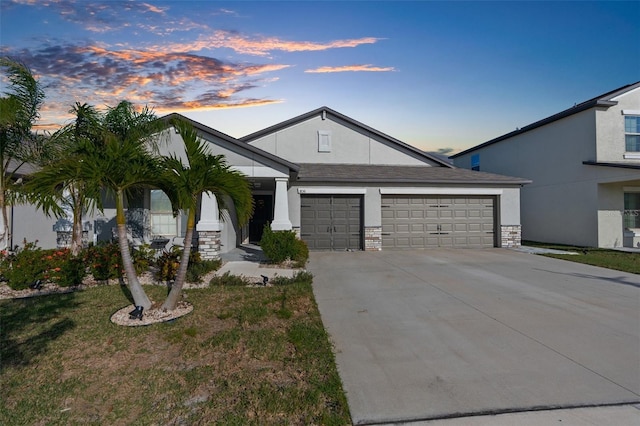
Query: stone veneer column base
point(511, 235)
point(209, 245)
point(373, 238)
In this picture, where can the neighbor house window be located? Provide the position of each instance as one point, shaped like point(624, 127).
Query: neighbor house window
point(162, 221)
point(632, 210)
point(475, 162)
point(632, 133)
point(324, 141)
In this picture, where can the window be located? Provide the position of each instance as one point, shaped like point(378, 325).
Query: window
point(632, 133)
point(162, 221)
point(324, 141)
point(475, 162)
point(632, 210)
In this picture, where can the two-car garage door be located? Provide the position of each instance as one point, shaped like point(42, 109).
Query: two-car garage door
point(423, 221)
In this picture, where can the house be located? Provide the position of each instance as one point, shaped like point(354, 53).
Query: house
point(339, 185)
point(585, 166)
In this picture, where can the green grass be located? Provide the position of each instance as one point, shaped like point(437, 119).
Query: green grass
point(612, 259)
point(236, 359)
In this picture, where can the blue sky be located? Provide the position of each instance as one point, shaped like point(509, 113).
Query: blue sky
point(432, 74)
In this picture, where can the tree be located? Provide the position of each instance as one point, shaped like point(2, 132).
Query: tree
point(59, 186)
point(127, 161)
point(203, 172)
point(19, 110)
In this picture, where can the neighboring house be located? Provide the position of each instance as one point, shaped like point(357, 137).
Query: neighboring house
point(340, 185)
point(585, 166)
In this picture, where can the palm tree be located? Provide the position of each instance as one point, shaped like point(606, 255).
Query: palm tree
point(60, 183)
point(185, 183)
point(127, 162)
point(19, 110)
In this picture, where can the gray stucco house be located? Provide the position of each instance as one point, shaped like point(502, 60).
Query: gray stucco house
point(339, 184)
point(585, 166)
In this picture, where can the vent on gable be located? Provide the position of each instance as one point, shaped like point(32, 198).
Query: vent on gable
point(324, 141)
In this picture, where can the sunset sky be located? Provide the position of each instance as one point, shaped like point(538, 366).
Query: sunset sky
point(432, 74)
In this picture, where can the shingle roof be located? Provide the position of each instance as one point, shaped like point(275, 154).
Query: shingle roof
point(603, 100)
point(400, 174)
point(364, 127)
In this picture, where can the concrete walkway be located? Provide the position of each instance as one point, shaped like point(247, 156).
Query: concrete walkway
point(249, 261)
point(425, 336)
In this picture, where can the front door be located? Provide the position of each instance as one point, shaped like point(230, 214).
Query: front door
point(262, 214)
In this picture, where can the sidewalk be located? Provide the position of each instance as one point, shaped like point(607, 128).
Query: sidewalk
point(249, 261)
point(588, 416)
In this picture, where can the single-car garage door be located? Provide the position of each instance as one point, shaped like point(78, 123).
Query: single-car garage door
point(331, 222)
point(423, 221)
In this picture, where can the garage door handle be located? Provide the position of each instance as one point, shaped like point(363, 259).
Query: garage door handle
point(305, 235)
point(328, 229)
point(386, 233)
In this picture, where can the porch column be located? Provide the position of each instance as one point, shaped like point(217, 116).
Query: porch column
point(281, 220)
point(209, 228)
point(209, 214)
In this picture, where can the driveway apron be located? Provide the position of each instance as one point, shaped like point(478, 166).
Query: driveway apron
point(432, 334)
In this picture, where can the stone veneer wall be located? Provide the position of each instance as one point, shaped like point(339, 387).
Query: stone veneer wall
point(511, 235)
point(373, 238)
point(209, 244)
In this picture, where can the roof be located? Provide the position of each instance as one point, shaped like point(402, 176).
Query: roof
point(400, 174)
point(233, 141)
point(602, 101)
point(357, 124)
point(613, 164)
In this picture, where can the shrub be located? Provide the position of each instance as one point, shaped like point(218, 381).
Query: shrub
point(24, 266)
point(104, 261)
point(71, 271)
point(279, 246)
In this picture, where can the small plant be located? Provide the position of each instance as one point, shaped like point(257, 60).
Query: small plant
point(229, 280)
point(143, 256)
point(299, 277)
point(168, 264)
point(197, 270)
point(280, 246)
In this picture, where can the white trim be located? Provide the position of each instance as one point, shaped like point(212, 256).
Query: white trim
point(329, 190)
point(625, 94)
point(631, 112)
point(441, 191)
point(632, 156)
point(259, 171)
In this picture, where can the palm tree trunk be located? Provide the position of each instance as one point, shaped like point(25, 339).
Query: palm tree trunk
point(173, 297)
point(76, 233)
point(140, 298)
point(5, 238)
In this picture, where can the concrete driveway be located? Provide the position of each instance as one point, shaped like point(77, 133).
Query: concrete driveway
point(434, 334)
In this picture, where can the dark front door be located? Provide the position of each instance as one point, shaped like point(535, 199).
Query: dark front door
point(262, 214)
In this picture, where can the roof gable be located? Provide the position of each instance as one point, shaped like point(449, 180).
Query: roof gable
point(325, 113)
point(234, 145)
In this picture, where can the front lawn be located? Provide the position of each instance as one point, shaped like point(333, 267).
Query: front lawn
point(245, 355)
point(612, 259)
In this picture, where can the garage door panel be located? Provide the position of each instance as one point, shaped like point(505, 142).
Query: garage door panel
point(424, 222)
point(329, 222)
